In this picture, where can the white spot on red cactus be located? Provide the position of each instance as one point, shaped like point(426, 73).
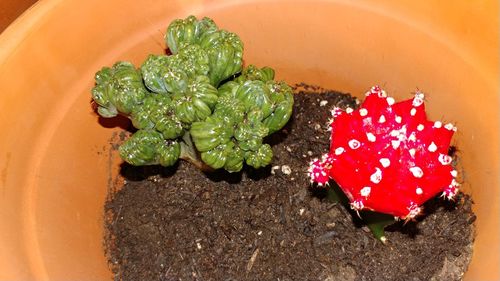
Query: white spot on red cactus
point(398, 119)
point(400, 134)
point(395, 144)
point(374, 90)
point(365, 191)
point(336, 111)
point(377, 176)
point(418, 99)
point(377, 91)
point(318, 173)
point(390, 101)
point(371, 137)
point(354, 144)
point(432, 147)
point(450, 191)
point(363, 112)
point(412, 137)
point(326, 159)
point(445, 159)
point(390, 151)
point(349, 110)
point(357, 205)
point(385, 162)
point(417, 172)
point(413, 211)
point(449, 126)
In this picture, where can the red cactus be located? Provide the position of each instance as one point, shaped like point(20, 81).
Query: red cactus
point(387, 157)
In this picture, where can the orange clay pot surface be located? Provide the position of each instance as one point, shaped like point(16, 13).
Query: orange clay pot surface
point(56, 165)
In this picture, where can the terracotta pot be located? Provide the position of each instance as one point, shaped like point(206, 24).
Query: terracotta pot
point(55, 162)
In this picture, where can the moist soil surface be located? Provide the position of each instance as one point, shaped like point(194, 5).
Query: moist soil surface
point(182, 224)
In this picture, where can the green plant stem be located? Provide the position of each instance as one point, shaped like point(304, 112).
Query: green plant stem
point(376, 222)
point(335, 194)
point(190, 154)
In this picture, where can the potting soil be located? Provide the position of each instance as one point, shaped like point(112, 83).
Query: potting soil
point(182, 224)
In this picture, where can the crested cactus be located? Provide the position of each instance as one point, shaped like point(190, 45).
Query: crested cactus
point(118, 89)
point(387, 157)
point(223, 49)
point(180, 110)
point(187, 31)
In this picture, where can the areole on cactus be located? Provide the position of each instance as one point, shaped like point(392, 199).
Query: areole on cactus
point(387, 157)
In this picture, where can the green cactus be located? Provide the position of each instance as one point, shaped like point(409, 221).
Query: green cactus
point(148, 147)
point(234, 160)
point(259, 158)
point(251, 132)
point(247, 112)
point(217, 157)
point(282, 99)
point(255, 95)
point(230, 110)
point(252, 72)
point(168, 153)
point(158, 112)
point(210, 133)
point(192, 60)
point(187, 31)
point(197, 101)
point(223, 49)
point(225, 54)
point(118, 89)
point(180, 110)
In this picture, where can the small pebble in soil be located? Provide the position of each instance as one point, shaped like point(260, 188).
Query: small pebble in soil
point(285, 169)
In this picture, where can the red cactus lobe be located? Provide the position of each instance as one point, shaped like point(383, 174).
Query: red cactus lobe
point(387, 157)
point(318, 172)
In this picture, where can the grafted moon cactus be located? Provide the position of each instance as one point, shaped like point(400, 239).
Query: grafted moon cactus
point(387, 157)
point(179, 109)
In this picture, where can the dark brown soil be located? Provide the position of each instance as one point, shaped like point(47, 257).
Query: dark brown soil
point(182, 224)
